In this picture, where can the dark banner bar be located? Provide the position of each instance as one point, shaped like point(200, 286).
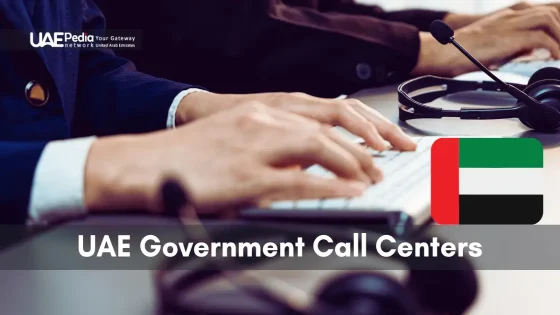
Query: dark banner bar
point(253, 245)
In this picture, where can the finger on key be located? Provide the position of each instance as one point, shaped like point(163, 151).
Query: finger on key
point(347, 117)
point(305, 147)
point(386, 128)
point(289, 185)
point(358, 151)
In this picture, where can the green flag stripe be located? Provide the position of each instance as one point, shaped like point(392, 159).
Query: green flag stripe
point(500, 153)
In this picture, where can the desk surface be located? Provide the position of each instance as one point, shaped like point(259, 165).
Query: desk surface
point(131, 292)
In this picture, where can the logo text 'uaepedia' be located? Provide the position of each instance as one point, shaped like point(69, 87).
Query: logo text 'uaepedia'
point(59, 39)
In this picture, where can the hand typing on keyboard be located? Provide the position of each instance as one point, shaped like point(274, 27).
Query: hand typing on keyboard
point(492, 39)
point(527, 69)
point(529, 64)
point(406, 185)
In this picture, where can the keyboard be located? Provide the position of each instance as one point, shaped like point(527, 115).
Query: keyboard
point(527, 69)
point(404, 193)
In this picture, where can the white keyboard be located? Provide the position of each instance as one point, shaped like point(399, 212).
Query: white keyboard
point(405, 187)
point(527, 69)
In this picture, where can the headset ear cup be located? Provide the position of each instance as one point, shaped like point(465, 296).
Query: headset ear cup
point(444, 291)
point(547, 92)
point(364, 293)
point(548, 73)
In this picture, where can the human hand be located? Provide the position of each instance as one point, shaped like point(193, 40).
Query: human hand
point(459, 20)
point(238, 156)
point(350, 114)
point(523, 5)
point(494, 39)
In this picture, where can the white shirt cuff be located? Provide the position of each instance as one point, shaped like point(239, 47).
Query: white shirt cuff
point(57, 191)
point(176, 101)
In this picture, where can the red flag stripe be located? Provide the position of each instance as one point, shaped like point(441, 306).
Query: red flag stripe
point(445, 181)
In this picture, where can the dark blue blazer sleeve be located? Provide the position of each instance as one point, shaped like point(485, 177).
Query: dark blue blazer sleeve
point(112, 96)
point(17, 167)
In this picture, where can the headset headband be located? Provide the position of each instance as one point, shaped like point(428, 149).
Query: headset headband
point(416, 108)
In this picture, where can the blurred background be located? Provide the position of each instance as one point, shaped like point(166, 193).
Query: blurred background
point(466, 6)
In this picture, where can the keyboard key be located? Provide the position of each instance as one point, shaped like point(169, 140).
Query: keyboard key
point(416, 202)
point(396, 164)
point(282, 205)
point(418, 182)
point(384, 157)
point(420, 189)
point(308, 204)
point(319, 171)
point(336, 203)
point(362, 202)
point(399, 174)
point(527, 69)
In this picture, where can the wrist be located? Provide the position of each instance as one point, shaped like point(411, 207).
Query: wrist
point(432, 57)
point(195, 105)
point(115, 178)
point(457, 21)
point(442, 60)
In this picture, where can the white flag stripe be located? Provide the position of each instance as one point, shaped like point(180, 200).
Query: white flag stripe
point(501, 181)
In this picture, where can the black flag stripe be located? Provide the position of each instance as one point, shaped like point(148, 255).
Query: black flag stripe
point(500, 209)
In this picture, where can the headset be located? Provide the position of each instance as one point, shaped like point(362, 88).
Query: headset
point(538, 103)
point(434, 285)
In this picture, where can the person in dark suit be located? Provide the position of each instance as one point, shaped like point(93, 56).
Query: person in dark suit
point(321, 47)
point(81, 130)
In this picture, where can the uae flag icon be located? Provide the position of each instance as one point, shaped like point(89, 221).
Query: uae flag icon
point(487, 181)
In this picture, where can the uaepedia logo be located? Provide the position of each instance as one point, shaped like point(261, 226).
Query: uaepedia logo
point(60, 39)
